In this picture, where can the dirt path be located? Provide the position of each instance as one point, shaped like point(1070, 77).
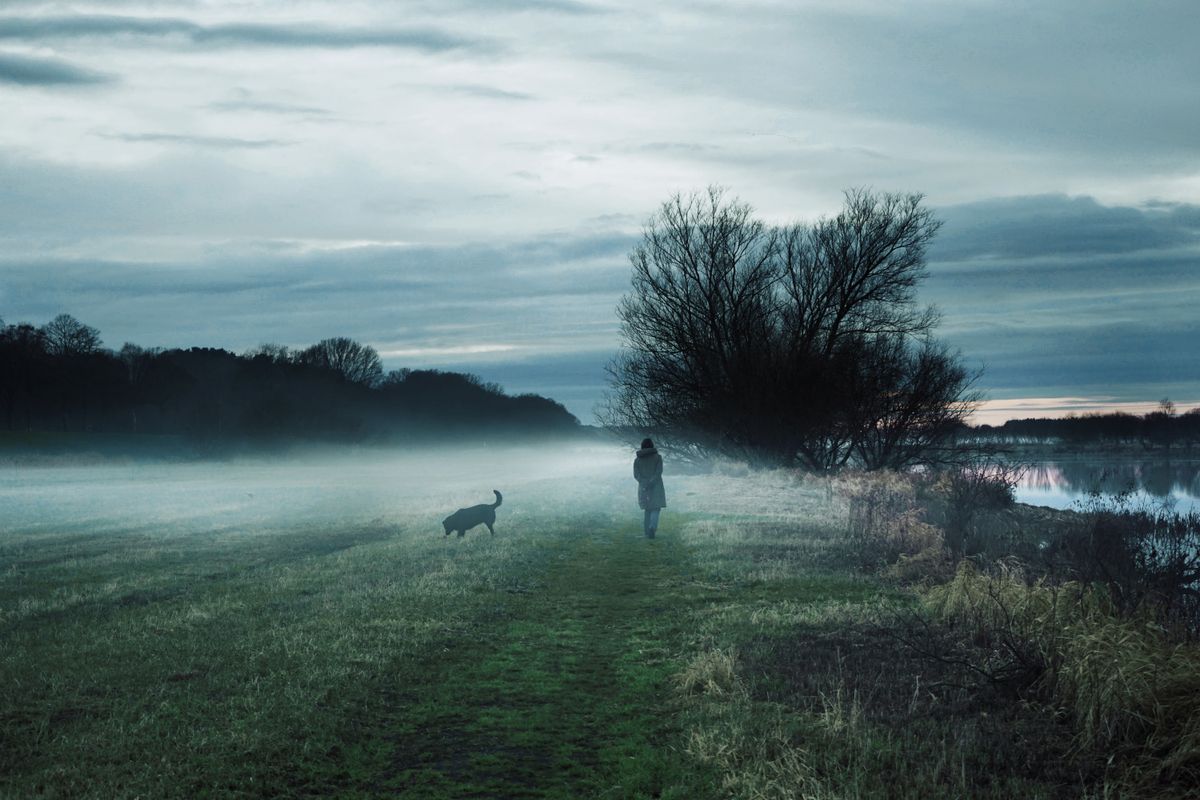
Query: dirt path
point(567, 695)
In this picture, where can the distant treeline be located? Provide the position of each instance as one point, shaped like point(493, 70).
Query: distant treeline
point(1161, 428)
point(59, 378)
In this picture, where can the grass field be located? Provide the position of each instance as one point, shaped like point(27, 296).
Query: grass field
point(263, 631)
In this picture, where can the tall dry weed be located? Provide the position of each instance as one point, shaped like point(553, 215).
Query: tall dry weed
point(886, 520)
point(755, 757)
point(1124, 684)
point(713, 672)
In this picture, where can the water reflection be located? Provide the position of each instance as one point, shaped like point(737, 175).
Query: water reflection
point(1061, 482)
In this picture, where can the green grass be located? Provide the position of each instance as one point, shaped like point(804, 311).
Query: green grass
point(735, 656)
point(561, 695)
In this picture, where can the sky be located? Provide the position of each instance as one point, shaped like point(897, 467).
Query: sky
point(458, 183)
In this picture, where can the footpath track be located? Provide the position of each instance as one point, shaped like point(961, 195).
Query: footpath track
point(565, 693)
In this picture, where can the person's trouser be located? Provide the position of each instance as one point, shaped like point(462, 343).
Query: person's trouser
point(650, 521)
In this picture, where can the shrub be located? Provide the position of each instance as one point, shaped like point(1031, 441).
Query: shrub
point(972, 490)
point(886, 521)
point(1148, 559)
point(1121, 680)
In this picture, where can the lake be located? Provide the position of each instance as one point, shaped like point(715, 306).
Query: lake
point(1063, 482)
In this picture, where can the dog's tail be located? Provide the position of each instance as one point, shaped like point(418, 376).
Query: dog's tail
point(499, 498)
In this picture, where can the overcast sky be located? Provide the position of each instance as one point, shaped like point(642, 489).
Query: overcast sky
point(458, 182)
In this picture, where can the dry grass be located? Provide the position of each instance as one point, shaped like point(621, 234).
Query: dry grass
point(753, 755)
point(713, 672)
point(1125, 685)
point(887, 520)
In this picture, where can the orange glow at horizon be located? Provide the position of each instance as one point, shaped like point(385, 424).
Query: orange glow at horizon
point(997, 412)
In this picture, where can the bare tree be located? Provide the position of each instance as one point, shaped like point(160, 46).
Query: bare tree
point(355, 362)
point(270, 352)
point(802, 345)
point(702, 305)
point(913, 397)
point(66, 336)
point(856, 274)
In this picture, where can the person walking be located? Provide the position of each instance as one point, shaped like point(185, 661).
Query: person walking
point(652, 496)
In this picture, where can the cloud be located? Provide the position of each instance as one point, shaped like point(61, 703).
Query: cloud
point(487, 92)
point(577, 379)
point(1044, 318)
point(571, 7)
point(427, 303)
point(297, 35)
point(1016, 75)
point(443, 352)
point(268, 107)
point(1050, 225)
point(30, 71)
point(220, 142)
point(676, 147)
point(1053, 292)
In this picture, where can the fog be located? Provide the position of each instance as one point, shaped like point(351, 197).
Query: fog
point(342, 486)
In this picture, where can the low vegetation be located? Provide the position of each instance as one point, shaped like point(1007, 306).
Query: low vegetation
point(784, 637)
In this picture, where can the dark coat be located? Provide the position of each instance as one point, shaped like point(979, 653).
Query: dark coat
point(647, 469)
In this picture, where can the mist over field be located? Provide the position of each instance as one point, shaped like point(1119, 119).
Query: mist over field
point(896, 298)
point(318, 486)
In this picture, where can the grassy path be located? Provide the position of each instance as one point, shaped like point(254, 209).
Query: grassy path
point(566, 695)
point(380, 660)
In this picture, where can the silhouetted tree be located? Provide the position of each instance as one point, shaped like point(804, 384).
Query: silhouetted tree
point(701, 309)
point(913, 398)
point(355, 362)
point(66, 336)
point(796, 346)
point(23, 366)
point(266, 395)
point(1159, 425)
point(274, 353)
point(1189, 426)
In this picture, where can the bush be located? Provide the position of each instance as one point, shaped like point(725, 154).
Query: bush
point(886, 519)
point(920, 524)
point(1120, 679)
point(1148, 559)
point(964, 501)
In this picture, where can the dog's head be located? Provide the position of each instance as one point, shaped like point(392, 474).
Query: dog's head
point(446, 524)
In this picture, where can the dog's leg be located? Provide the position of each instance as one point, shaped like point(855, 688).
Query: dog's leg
point(491, 530)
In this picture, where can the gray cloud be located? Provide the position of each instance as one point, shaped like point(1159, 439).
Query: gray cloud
point(563, 288)
point(487, 92)
point(577, 380)
point(963, 101)
point(431, 40)
point(571, 7)
point(676, 147)
point(1058, 225)
point(30, 71)
point(220, 142)
point(1021, 73)
point(1056, 295)
point(191, 194)
point(1012, 79)
point(1066, 308)
point(268, 107)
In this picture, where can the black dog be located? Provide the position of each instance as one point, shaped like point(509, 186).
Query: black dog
point(466, 518)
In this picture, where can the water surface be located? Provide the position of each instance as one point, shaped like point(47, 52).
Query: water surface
point(1066, 482)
